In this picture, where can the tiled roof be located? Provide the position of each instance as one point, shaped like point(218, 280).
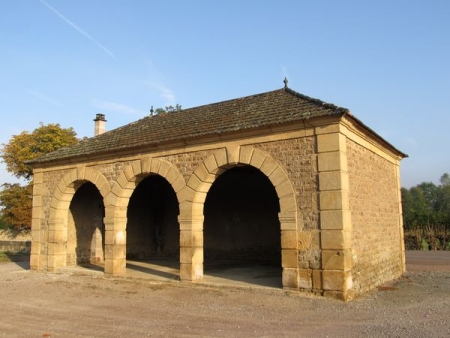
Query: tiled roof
point(266, 109)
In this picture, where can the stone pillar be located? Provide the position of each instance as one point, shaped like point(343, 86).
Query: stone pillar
point(37, 214)
point(115, 245)
point(57, 237)
point(335, 217)
point(191, 247)
point(289, 250)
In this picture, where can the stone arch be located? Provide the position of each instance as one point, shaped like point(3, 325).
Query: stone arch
point(191, 209)
point(116, 205)
point(59, 211)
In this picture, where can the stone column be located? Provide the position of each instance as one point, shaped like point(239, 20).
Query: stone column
point(191, 245)
point(289, 250)
point(115, 245)
point(36, 231)
point(57, 238)
point(335, 217)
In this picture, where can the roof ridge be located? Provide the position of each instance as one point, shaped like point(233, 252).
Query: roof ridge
point(316, 101)
point(230, 100)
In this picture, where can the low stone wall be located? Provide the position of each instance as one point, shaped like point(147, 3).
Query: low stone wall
point(15, 246)
point(15, 235)
point(13, 241)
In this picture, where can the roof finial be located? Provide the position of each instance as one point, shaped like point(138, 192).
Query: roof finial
point(285, 82)
point(151, 111)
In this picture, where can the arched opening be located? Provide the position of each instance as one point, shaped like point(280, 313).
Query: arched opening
point(241, 227)
point(153, 231)
point(85, 228)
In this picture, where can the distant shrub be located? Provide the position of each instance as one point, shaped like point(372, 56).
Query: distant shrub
point(3, 224)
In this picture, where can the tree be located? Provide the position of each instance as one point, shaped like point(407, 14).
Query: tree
point(445, 180)
point(407, 208)
point(3, 224)
point(444, 200)
point(15, 199)
point(426, 211)
point(167, 109)
point(27, 146)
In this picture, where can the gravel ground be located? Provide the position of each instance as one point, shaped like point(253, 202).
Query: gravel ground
point(36, 304)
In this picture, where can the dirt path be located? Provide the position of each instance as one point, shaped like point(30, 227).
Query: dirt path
point(62, 305)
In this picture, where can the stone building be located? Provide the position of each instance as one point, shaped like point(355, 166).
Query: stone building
point(275, 178)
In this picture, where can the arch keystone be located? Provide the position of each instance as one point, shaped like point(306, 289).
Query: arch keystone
point(81, 171)
point(146, 164)
point(155, 166)
point(245, 154)
point(233, 154)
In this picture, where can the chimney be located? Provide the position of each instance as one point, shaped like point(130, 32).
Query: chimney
point(100, 123)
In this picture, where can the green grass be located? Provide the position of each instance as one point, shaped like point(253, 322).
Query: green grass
point(4, 257)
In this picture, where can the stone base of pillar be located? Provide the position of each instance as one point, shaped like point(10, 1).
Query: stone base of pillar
point(116, 267)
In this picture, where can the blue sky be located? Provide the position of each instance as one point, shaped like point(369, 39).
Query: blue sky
point(387, 61)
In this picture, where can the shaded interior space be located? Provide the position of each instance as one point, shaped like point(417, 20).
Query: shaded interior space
point(222, 273)
point(85, 228)
point(152, 223)
point(241, 227)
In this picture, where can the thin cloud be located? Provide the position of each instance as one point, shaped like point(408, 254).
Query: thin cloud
point(115, 107)
point(44, 98)
point(78, 29)
point(167, 94)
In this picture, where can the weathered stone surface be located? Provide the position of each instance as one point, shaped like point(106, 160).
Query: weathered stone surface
point(376, 221)
point(289, 258)
point(304, 240)
point(336, 280)
point(305, 279)
point(330, 142)
point(335, 220)
point(335, 239)
point(290, 279)
point(336, 260)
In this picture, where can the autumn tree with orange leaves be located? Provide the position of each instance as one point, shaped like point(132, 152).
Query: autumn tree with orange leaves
point(16, 199)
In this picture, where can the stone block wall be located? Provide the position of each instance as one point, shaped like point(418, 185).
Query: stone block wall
point(376, 236)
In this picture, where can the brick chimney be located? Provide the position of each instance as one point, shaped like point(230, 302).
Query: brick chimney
point(100, 123)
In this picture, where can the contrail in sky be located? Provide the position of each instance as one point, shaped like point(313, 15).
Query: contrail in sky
point(43, 97)
point(78, 29)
